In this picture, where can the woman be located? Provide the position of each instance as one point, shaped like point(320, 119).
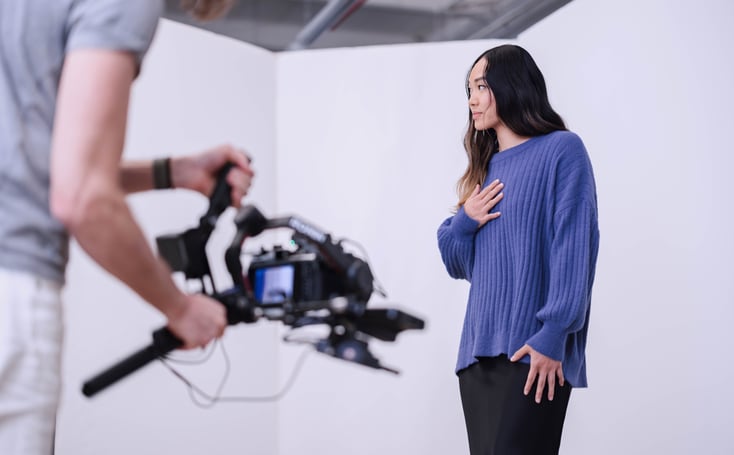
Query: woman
point(525, 236)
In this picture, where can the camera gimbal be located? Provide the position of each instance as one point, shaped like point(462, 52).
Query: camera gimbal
point(318, 283)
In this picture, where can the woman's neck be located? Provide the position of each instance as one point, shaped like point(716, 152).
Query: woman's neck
point(507, 138)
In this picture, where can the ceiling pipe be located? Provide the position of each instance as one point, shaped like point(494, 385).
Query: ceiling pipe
point(352, 8)
point(329, 16)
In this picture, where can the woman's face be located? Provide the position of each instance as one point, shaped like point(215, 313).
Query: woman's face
point(481, 99)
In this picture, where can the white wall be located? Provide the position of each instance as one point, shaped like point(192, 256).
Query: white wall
point(648, 86)
point(369, 147)
point(196, 90)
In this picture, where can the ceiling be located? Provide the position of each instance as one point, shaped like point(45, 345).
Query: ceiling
point(280, 25)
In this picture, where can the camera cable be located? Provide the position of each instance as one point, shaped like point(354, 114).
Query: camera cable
point(206, 400)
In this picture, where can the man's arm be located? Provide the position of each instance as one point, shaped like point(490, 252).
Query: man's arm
point(197, 172)
point(87, 194)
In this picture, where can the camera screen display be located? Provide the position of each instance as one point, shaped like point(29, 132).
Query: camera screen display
point(274, 284)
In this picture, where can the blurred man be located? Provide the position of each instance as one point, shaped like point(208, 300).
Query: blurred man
point(66, 70)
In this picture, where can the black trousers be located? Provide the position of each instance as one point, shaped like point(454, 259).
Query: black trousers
point(500, 420)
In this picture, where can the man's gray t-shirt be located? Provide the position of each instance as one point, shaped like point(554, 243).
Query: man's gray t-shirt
point(35, 37)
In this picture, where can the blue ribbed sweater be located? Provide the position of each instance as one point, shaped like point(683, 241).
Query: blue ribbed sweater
point(531, 270)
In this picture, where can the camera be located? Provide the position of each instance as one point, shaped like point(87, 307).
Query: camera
point(314, 282)
point(279, 276)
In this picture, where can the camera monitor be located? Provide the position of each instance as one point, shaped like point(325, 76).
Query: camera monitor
point(272, 285)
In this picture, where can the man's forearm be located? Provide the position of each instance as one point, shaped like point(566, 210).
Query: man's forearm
point(109, 234)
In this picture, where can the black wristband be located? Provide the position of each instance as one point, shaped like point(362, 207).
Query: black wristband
point(162, 174)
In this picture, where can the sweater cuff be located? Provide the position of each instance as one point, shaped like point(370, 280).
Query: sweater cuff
point(462, 225)
point(550, 341)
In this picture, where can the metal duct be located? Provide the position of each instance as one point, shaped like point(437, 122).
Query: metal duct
point(331, 14)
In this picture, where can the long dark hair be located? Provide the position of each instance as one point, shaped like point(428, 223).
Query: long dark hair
point(522, 104)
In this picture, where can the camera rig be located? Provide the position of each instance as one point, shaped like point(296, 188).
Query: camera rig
point(317, 283)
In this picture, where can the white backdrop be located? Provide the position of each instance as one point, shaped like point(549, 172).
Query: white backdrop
point(366, 143)
point(648, 86)
point(369, 148)
point(369, 145)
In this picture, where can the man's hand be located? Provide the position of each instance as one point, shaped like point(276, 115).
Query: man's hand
point(479, 204)
point(545, 369)
point(199, 172)
point(198, 321)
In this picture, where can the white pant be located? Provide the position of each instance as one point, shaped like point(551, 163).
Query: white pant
point(31, 329)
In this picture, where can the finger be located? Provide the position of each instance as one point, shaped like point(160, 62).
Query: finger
point(487, 218)
point(491, 216)
point(243, 162)
point(561, 379)
point(551, 386)
point(494, 186)
point(240, 183)
point(495, 200)
point(237, 195)
point(239, 157)
point(222, 323)
point(483, 200)
point(530, 380)
point(489, 205)
point(239, 178)
point(519, 354)
point(475, 192)
point(491, 198)
point(484, 195)
point(540, 386)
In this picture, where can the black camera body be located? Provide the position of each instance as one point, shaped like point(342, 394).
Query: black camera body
point(278, 276)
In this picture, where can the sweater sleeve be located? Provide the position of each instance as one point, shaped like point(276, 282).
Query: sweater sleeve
point(456, 244)
point(573, 252)
point(573, 255)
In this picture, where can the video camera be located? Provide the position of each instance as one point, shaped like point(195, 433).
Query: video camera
point(314, 282)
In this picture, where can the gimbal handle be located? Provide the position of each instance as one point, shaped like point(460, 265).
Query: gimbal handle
point(164, 341)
